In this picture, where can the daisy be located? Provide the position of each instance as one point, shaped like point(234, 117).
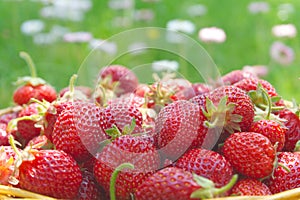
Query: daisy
point(284, 30)
point(258, 70)
point(281, 53)
point(258, 7)
point(212, 34)
point(32, 27)
point(103, 45)
point(77, 37)
point(165, 65)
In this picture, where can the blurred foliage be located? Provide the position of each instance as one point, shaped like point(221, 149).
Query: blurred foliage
point(248, 41)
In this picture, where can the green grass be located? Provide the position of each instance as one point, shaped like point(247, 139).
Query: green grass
point(248, 40)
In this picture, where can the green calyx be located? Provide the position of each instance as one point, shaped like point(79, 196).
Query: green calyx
point(222, 115)
point(114, 176)
point(114, 132)
point(297, 146)
point(208, 189)
point(33, 79)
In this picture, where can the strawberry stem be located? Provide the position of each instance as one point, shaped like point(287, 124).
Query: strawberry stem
point(114, 176)
point(29, 62)
point(208, 189)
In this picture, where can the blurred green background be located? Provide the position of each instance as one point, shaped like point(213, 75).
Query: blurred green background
point(248, 42)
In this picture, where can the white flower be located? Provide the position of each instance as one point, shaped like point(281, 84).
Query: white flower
point(284, 30)
point(44, 39)
point(212, 34)
point(137, 47)
point(258, 7)
point(258, 70)
point(32, 27)
point(284, 10)
point(121, 4)
point(184, 26)
point(62, 13)
point(144, 15)
point(281, 53)
point(165, 65)
point(103, 45)
point(59, 31)
point(197, 10)
point(83, 5)
point(77, 37)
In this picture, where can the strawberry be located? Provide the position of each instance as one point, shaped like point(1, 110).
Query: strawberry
point(286, 175)
point(51, 172)
point(292, 123)
point(7, 158)
point(121, 114)
point(89, 189)
point(33, 87)
point(236, 76)
point(3, 135)
point(250, 187)
point(176, 128)
point(138, 151)
point(201, 88)
point(174, 183)
point(26, 123)
point(272, 130)
point(208, 164)
point(239, 108)
point(249, 84)
point(77, 130)
point(120, 77)
point(251, 154)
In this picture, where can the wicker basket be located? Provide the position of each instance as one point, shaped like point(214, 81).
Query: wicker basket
point(287, 195)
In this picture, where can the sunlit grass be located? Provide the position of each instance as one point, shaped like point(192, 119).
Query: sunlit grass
point(248, 40)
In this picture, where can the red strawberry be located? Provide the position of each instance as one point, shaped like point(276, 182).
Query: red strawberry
point(138, 151)
point(3, 135)
point(33, 87)
point(208, 164)
point(77, 130)
point(272, 130)
point(51, 172)
point(27, 123)
point(8, 114)
point(292, 124)
point(239, 108)
point(174, 183)
point(89, 189)
point(287, 177)
point(249, 84)
point(236, 76)
point(7, 167)
point(250, 187)
point(125, 79)
point(176, 128)
point(121, 115)
point(251, 154)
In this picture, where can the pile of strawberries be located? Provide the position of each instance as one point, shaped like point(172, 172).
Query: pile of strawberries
point(170, 139)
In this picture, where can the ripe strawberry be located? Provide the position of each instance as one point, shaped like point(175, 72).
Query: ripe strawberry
point(137, 150)
point(125, 79)
point(208, 164)
point(51, 172)
point(121, 115)
point(249, 84)
point(292, 124)
point(287, 177)
point(3, 135)
point(10, 114)
point(272, 130)
point(174, 183)
point(201, 88)
point(176, 128)
point(250, 187)
point(27, 123)
point(239, 108)
point(7, 167)
point(33, 87)
point(77, 130)
point(89, 189)
point(236, 76)
point(251, 154)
